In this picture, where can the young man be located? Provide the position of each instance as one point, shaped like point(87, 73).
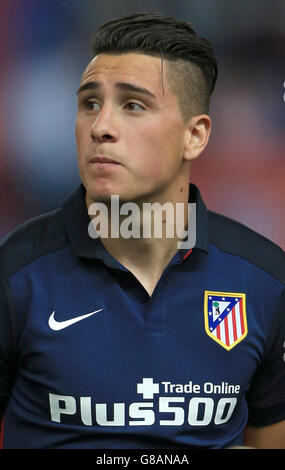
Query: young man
point(134, 342)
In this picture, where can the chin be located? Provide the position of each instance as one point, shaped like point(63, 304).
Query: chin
point(100, 196)
point(100, 192)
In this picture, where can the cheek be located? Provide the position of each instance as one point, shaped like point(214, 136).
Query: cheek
point(162, 148)
point(77, 133)
point(81, 132)
point(146, 153)
point(81, 146)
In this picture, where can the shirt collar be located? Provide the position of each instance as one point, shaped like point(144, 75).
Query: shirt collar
point(76, 220)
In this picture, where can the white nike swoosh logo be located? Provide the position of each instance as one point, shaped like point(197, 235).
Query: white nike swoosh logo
point(59, 325)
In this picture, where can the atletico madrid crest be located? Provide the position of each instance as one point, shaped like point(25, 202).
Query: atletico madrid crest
point(225, 317)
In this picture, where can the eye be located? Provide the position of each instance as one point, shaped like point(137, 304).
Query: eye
point(92, 105)
point(132, 106)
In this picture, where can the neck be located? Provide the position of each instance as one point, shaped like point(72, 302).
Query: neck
point(146, 239)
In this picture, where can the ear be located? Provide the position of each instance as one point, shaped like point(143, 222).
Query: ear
point(197, 133)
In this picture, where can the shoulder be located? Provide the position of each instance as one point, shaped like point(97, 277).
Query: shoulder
point(30, 240)
point(237, 239)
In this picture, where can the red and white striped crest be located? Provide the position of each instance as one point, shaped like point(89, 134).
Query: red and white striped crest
point(225, 317)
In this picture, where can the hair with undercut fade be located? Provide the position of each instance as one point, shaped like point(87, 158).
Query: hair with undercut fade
point(191, 64)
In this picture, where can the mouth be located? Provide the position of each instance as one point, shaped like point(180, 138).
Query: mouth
point(103, 161)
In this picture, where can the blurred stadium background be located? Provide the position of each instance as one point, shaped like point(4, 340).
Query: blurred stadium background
point(44, 49)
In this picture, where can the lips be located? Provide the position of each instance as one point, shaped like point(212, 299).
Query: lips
point(103, 160)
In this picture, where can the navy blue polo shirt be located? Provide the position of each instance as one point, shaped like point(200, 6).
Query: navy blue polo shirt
point(88, 359)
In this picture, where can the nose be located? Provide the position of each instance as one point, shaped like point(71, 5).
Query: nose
point(104, 128)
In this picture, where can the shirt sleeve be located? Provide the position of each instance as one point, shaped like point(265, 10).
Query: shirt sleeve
point(266, 396)
point(7, 348)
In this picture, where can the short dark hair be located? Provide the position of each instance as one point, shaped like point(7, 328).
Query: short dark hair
point(192, 64)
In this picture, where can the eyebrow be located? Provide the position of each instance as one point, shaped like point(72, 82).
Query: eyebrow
point(120, 85)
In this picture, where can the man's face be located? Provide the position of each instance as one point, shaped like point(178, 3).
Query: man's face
point(127, 113)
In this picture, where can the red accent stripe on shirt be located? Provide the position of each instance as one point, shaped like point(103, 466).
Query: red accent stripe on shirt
point(187, 254)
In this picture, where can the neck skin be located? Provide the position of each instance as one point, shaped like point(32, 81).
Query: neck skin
point(147, 258)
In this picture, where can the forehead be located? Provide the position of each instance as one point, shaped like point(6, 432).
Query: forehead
point(143, 69)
